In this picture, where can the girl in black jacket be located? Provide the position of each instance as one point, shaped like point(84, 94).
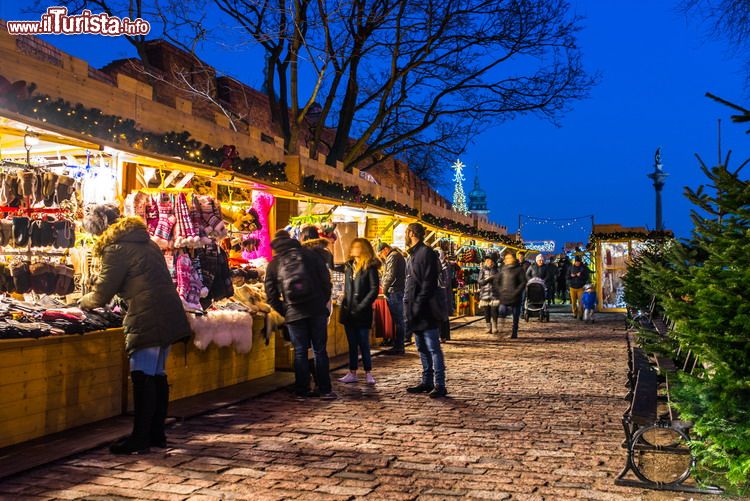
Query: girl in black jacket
point(361, 287)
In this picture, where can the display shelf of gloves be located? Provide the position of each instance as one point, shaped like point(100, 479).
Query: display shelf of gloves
point(49, 317)
point(36, 187)
point(229, 346)
point(55, 383)
point(32, 229)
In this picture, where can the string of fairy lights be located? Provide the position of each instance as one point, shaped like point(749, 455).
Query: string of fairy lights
point(580, 223)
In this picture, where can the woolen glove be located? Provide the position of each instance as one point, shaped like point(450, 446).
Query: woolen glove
point(20, 231)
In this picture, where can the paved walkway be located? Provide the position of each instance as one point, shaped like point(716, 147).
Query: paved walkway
point(535, 418)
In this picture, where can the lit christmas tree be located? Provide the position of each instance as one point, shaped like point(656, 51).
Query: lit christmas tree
point(459, 198)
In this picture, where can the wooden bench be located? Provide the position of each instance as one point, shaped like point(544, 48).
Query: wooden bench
point(648, 383)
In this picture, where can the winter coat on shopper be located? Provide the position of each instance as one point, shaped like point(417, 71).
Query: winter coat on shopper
point(578, 276)
point(314, 269)
point(422, 303)
point(546, 272)
point(133, 267)
point(510, 283)
point(394, 273)
point(487, 291)
point(360, 292)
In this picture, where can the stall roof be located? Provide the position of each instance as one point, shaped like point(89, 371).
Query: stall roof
point(51, 137)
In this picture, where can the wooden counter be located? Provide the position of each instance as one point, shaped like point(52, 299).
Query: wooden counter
point(203, 371)
point(56, 383)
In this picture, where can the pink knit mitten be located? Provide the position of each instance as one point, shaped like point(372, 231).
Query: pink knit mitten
point(196, 217)
point(183, 268)
point(211, 212)
point(185, 234)
point(163, 232)
point(151, 215)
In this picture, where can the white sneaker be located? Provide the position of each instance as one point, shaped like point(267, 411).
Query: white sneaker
point(370, 379)
point(349, 378)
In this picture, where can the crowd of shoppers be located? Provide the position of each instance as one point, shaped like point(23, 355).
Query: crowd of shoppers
point(417, 286)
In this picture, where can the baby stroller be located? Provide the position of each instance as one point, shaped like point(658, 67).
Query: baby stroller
point(536, 300)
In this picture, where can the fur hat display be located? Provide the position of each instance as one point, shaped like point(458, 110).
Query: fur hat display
point(223, 328)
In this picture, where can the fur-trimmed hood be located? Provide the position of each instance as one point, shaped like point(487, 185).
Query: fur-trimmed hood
point(316, 242)
point(130, 229)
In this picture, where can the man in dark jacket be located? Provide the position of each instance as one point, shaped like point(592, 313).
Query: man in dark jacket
point(423, 304)
point(578, 276)
point(510, 283)
point(298, 286)
point(133, 268)
point(563, 265)
point(394, 281)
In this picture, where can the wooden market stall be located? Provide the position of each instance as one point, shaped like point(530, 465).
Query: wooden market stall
point(613, 249)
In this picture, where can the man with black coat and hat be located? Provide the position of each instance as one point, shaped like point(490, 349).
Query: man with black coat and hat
point(424, 305)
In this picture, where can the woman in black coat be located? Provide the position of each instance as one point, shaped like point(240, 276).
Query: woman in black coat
point(361, 288)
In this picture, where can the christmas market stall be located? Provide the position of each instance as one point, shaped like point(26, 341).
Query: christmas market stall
point(612, 248)
point(66, 367)
point(59, 367)
point(215, 237)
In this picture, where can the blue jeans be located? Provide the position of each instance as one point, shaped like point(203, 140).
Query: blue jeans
point(396, 306)
point(303, 332)
point(431, 355)
point(359, 341)
point(150, 361)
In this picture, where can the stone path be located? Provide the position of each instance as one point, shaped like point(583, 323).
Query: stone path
point(533, 418)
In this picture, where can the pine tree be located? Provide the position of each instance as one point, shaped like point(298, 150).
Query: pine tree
point(459, 198)
point(704, 285)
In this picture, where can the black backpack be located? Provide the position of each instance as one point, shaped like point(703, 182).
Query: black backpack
point(296, 284)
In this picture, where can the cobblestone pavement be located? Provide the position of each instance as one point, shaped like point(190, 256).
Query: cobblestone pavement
point(533, 418)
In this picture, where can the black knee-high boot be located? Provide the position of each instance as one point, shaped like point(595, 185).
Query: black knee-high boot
point(144, 403)
point(158, 436)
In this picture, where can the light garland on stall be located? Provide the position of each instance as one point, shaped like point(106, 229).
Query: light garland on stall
point(94, 123)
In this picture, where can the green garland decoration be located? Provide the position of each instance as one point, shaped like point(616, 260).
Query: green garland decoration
point(337, 190)
point(595, 238)
point(94, 123)
point(466, 229)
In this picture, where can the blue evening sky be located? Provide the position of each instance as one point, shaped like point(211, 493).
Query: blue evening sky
point(655, 66)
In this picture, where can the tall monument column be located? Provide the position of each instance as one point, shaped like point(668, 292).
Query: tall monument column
point(658, 176)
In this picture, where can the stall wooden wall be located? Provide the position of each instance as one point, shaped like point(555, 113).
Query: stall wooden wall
point(56, 383)
point(203, 371)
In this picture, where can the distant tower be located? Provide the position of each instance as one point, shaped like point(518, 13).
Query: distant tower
point(478, 198)
point(658, 176)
